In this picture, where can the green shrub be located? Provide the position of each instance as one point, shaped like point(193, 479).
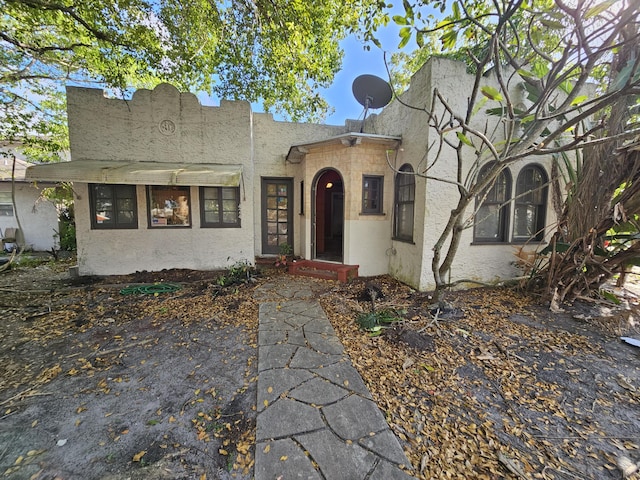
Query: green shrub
point(283, 257)
point(67, 233)
point(376, 322)
point(239, 272)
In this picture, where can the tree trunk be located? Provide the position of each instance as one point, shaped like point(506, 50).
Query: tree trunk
point(589, 211)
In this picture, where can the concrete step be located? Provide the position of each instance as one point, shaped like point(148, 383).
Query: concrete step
point(325, 270)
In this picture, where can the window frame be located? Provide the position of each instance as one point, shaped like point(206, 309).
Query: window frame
point(487, 199)
point(179, 191)
point(7, 205)
point(526, 197)
point(405, 172)
point(379, 197)
point(117, 225)
point(220, 224)
point(302, 197)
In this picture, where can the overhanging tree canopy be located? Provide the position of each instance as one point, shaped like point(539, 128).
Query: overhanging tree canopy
point(579, 63)
point(276, 52)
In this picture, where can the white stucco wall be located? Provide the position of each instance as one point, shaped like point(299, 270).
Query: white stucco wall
point(111, 129)
point(473, 261)
point(103, 128)
point(435, 199)
point(113, 252)
point(407, 260)
point(38, 217)
point(369, 246)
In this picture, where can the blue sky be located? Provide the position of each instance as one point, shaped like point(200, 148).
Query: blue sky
point(358, 61)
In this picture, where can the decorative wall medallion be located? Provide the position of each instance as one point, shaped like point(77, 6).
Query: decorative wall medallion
point(167, 127)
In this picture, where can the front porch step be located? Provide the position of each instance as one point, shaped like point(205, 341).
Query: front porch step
point(326, 270)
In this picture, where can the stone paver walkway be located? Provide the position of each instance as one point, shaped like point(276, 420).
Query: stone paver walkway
point(316, 418)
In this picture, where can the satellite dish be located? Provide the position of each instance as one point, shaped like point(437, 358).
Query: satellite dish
point(371, 92)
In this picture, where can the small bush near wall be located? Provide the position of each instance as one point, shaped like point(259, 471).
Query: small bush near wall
point(62, 197)
point(67, 233)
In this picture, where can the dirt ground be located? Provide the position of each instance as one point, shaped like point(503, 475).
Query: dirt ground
point(95, 384)
point(98, 383)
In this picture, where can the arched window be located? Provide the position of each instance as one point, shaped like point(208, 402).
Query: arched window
point(405, 196)
point(530, 204)
point(491, 224)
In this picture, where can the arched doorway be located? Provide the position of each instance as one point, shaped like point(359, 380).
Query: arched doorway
point(328, 216)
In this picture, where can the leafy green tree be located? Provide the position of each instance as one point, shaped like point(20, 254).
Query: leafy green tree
point(579, 63)
point(274, 51)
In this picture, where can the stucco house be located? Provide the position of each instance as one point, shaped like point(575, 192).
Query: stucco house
point(38, 218)
point(162, 181)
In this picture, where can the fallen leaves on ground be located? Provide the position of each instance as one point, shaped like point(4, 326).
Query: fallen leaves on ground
point(496, 390)
point(501, 395)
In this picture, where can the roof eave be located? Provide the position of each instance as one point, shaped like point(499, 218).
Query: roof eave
point(297, 152)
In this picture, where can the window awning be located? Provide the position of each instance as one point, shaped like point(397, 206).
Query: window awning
point(138, 173)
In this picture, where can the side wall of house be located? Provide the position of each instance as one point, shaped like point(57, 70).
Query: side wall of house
point(111, 129)
point(407, 260)
point(368, 235)
point(38, 217)
point(476, 261)
point(434, 198)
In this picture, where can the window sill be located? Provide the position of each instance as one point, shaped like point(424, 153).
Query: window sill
point(490, 243)
point(167, 227)
point(372, 214)
point(513, 242)
point(529, 242)
point(403, 240)
point(115, 228)
point(219, 226)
